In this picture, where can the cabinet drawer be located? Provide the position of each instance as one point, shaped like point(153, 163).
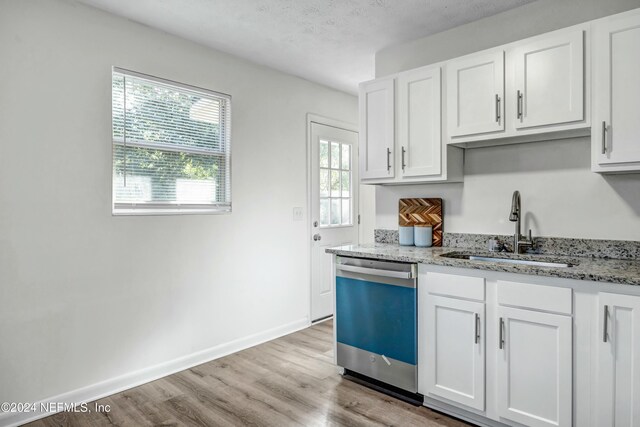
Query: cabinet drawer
point(536, 297)
point(455, 286)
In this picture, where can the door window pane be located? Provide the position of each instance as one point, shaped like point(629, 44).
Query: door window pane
point(335, 212)
point(324, 182)
point(346, 217)
point(335, 183)
point(335, 155)
point(324, 154)
point(324, 211)
point(346, 184)
point(346, 151)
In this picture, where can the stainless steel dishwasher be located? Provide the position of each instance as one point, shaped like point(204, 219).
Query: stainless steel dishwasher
point(376, 322)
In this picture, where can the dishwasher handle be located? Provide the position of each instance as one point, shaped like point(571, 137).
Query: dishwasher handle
point(377, 272)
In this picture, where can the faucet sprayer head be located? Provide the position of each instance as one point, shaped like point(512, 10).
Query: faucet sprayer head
point(515, 207)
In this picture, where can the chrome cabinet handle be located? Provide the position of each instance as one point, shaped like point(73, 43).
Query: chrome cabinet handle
point(477, 338)
point(403, 164)
point(606, 324)
point(604, 137)
point(388, 159)
point(501, 333)
point(317, 237)
point(519, 104)
point(497, 108)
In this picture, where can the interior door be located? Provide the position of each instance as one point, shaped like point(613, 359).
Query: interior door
point(454, 350)
point(475, 94)
point(419, 128)
point(334, 207)
point(617, 89)
point(534, 367)
point(377, 128)
point(550, 81)
point(618, 361)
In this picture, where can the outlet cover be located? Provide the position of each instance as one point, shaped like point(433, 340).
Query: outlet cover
point(298, 214)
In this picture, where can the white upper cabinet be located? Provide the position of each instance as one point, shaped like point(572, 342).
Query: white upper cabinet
point(419, 122)
point(549, 80)
point(475, 93)
point(618, 341)
point(616, 127)
point(530, 90)
point(377, 128)
point(534, 367)
point(537, 89)
point(419, 152)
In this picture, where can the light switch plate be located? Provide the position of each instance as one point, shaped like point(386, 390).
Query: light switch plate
point(298, 214)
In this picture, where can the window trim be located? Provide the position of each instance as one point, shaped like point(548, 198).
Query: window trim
point(176, 208)
point(171, 83)
point(128, 209)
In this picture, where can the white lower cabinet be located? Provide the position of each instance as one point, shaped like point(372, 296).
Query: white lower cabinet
point(455, 350)
point(535, 352)
point(500, 351)
point(534, 367)
point(618, 382)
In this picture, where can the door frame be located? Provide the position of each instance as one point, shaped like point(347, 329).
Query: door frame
point(340, 124)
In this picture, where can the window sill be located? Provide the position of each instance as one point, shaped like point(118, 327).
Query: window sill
point(173, 211)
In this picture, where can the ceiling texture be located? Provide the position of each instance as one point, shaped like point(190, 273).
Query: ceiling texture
point(332, 42)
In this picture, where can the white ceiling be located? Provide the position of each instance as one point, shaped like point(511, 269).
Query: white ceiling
point(332, 42)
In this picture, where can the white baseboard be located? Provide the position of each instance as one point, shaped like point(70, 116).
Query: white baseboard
point(136, 378)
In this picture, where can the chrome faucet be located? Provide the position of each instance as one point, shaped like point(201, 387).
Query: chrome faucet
point(516, 212)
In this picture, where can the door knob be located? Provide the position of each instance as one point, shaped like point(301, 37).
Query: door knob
point(317, 237)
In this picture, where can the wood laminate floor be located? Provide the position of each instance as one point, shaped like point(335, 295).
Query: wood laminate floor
point(290, 381)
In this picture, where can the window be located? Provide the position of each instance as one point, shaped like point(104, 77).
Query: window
point(335, 184)
point(171, 147)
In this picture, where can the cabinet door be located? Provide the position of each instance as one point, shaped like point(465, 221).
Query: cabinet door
point(377, 130)
point(419, 117)
point(453, 350)
point(618, 365)
point(475, 90)
point(534, 367)
point(549, 81)
point(617, 90)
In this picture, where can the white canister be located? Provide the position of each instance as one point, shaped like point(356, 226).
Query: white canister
point(423, 235)
point(405, 235)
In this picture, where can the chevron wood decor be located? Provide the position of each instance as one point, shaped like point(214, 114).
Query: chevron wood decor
point(423, 211)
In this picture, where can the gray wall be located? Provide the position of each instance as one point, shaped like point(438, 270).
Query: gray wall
point(560, 194)
point(86, 297)
point(525, 21)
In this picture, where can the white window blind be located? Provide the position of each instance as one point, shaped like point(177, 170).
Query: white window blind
point(171, 146)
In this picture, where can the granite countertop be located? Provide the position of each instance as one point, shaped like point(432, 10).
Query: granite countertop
point(626, 272)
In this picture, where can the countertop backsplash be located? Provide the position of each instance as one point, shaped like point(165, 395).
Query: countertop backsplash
point(616, 249)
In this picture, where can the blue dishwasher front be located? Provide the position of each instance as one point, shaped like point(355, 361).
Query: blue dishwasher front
point(376, 320)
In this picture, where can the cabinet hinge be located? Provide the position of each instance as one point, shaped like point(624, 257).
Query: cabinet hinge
point(358, 219)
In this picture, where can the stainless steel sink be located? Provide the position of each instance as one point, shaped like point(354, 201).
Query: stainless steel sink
point(506, 260)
